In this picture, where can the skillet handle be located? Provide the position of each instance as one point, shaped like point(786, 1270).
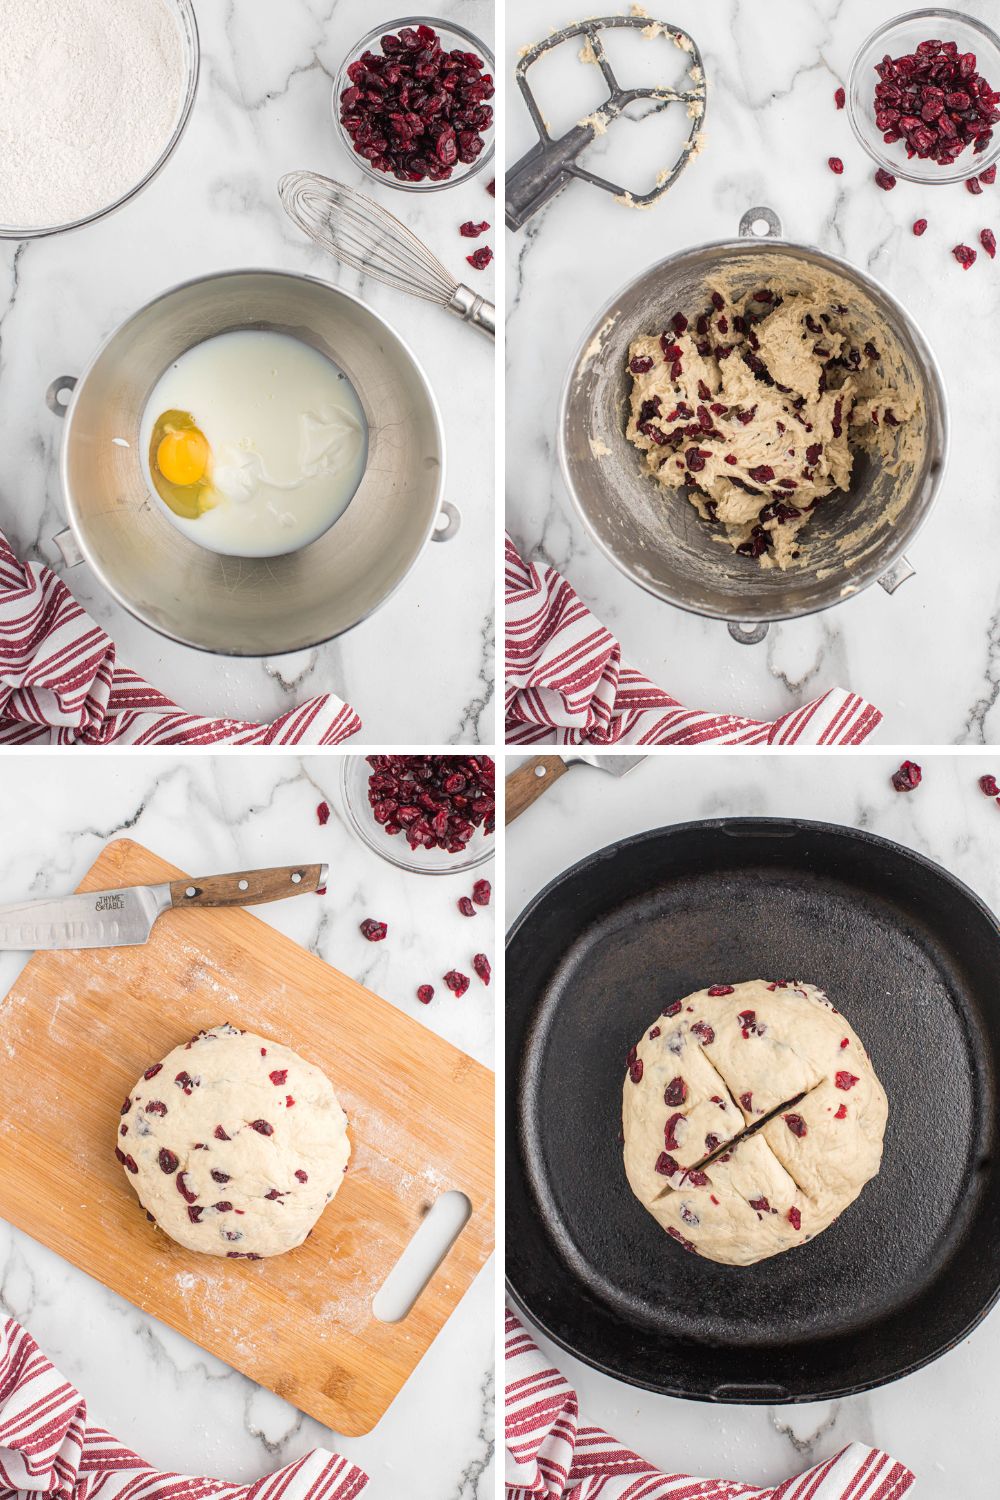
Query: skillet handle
point(525, 785)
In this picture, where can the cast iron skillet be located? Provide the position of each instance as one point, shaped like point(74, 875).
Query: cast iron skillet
point(910, 956)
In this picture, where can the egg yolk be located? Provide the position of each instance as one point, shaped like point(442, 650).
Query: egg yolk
point(182, 457)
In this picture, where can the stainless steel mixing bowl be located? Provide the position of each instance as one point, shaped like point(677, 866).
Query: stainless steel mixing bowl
point(251, 606)
point(655, 536)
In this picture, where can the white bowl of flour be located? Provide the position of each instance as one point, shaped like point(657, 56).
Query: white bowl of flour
point(94, 96)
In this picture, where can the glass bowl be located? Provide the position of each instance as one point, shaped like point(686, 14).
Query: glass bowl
point(452, 37)
point(188, 28)
point(897, 38)
point(354, 775)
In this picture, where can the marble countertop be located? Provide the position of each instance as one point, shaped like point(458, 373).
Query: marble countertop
point(263, 108)
point(179, 1407)
point(927, 1418)
point(929, 656)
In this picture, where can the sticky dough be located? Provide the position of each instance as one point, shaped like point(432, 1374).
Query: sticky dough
point(752, 1119)
point(234, 1144)
point(758, 392)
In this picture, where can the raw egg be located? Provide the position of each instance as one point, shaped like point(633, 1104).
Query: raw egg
point(256, 443)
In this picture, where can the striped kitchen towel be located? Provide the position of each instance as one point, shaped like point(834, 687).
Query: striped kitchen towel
point(566, 684)
point(61, 684)
point(550, 1455)
point(48, 1448)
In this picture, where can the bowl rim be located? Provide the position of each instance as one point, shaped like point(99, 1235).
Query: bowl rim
point(757, 244)
point(339, 83)
point(461, 865)
point(79, 532)
point(872, 147)
point(186, 15)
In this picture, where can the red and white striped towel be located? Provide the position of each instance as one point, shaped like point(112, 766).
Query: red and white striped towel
point(551, 1456)
point(60, 683)
point(47, 1448)
point(566, 684)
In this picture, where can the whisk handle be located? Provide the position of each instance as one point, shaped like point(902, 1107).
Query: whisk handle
point(475, 310)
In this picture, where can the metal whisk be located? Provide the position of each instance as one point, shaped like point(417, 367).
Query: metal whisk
point(366, 236)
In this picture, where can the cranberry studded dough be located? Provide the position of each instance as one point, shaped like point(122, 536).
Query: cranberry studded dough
point(234, 1144)
point(775, 1056)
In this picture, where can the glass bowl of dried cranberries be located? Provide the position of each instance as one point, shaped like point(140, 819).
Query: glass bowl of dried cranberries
point(430, 813)
point(923, 98)
point(413, 105)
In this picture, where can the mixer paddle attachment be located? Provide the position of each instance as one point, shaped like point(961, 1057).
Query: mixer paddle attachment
point(364, 235)
point(550, 164)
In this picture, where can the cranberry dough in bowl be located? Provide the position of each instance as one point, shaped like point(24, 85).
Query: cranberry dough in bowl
point(754, 430)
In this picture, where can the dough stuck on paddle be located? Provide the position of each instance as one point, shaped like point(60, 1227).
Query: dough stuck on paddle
point(234, 1144)
point(752, 1118)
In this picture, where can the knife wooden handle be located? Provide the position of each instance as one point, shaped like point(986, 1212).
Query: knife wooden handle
point(249, 887)
point(525, 785)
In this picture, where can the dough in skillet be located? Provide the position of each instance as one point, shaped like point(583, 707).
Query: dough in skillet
point(752, 1118)
point(234, 1144)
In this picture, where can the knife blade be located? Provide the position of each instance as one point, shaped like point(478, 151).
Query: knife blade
point(126, 917)
point(525, 785)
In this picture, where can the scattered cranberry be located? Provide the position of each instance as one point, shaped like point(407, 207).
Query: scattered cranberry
point(466, 907)
point(885, 180)
point(152, 1072)
point(935, 101)
point(675, 1092)
point(372, 930)
point(471, 231)
point(989, 176)
point(721, 989)
point(480, 259)
point(481, 964)
point(907, 777)
point(796, 1125)
point(761, 1205)
point(458, 983)
point(920, 227)
point(481, 892)
point(416, 110)
point(795, 1218)
point(279, 1077)
point(323, 814)
point(965, 256)
point(301, 1176)
point(840, 98)
point(491, 187)
point(841, 1113)
point(425, 993)
point(845, 1081)
point(262, 1127)
point(220, 1134)
point(703, 1031)
point(437, 801)
point(988, 240)
point(973, 186)
point(988, 786)
point(836, 165)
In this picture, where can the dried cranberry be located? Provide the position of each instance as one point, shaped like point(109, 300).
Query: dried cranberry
point(761, 1205)
point(223, 1208)
point(672, 1010)
point(988, 240)
point(749, 1025)
point(669, 1137)
point(703, 1031)
point(425, 993)
point(480, 258)
point(194, 1213)
point(481, 964)
point(279, 1077)
point(481, 892)
point(156, 1107)
point(989, 176)
point(219, 1177)
point(841, 1113)
point(935, 101)
point(965, 256)
point(665, 1165)
point(471, 231)
point(845, 1081)
point(262, 1127)
point(634, 1064)
point(152, 1072)
point(168, 1161)
point(182, 1187)
point(973, 186)
point(640, 364)
point(907, 777)
point(466, 907)
point(721, 989)
point(919, 227)
point(372, 930)
point(301, 1176)
point(885, 180)
point(323, 814)
point(988, 786)
point(840, 98)
point(675, 1092)
point(746, 1100)
point(696, 1179)
point(795, 1218)
point(796, 1125)
point(836, 165)
point(186, 1083)
point(675, 1234)
point(416, 795)
point(457, 982)
point(220, 1134)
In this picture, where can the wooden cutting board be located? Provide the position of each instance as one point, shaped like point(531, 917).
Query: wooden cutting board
point(76, 1031)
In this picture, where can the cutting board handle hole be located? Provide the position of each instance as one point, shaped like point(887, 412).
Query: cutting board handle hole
point(432, 1240)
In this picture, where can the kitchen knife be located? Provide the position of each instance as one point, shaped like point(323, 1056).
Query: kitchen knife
point(124, 918)
point(525, 785)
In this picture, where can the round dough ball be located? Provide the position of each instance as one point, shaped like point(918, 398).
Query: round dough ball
point(752, 1118)
point(234, 1144)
